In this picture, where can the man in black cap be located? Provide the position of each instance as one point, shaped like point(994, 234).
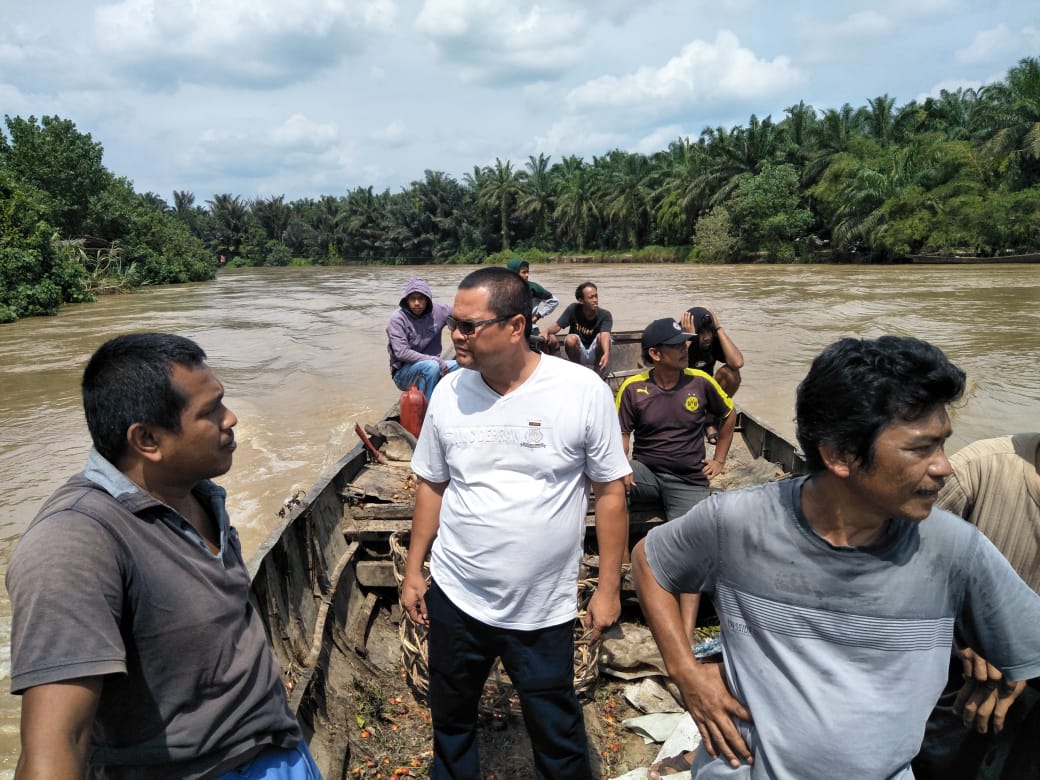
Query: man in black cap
point(667, 408)
point(713, 345)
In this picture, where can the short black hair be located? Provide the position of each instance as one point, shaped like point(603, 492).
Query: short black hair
point(856, 387)
point(508, 294)
point(128, 380)
point(579, 291)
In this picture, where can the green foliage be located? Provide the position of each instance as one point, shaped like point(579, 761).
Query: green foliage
point(54, 158)
point(769, 210)
point(53, 188)
point(954, 174)
point(715, 239)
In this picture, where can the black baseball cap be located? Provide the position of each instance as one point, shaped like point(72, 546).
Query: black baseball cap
point(664, 331)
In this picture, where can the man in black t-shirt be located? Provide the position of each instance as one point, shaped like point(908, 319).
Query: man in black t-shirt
point(588, 342)
point(713, 345)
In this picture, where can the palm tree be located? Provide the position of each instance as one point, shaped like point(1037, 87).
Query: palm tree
point(739, 151)
point(230, 217)
point(677, 188)
point(879, 118)
point(831, 137)
point(955, 114)
point(154, 201)
point(272, 215)
point(626, 199)
point(799, 127)
point(539, 192)
point(500, 189)
point(329, 225)
point(183, 202)
point(1013, 115)
point(576, 206)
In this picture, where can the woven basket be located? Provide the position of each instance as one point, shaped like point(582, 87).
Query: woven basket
point(499, 696)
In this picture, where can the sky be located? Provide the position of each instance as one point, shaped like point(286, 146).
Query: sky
point(302, 98)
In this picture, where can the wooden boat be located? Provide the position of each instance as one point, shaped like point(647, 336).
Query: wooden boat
point(326, 568)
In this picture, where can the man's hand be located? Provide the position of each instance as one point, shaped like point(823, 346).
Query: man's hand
point(713, 708)
point(603, 612)
point(712, 468)
point(413, 597)
point(629, 481)
point(686, 321)
point(601, 364)
point(986, 696)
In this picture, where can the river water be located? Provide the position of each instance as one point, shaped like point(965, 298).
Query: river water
point(302, 355)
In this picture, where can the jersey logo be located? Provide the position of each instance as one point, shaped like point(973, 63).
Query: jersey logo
point(534, 436)
point(643, 390)
point(693, 403)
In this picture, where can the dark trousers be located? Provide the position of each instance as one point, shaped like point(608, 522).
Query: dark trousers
point(541, 666)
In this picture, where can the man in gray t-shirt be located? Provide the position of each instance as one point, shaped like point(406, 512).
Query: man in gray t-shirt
point(840, 595)
point(133, 644)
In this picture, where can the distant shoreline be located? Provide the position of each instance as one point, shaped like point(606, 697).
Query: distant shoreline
point(909, 259)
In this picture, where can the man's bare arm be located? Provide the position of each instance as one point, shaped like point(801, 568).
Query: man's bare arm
point(55, 729)
point(426, 520)
point(713, 466)
point(604, 348)
point(733, 356)
point(612, 535)
point(704, 691)
point(629, 480)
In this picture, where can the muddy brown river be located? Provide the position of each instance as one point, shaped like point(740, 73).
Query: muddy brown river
point(302, 355)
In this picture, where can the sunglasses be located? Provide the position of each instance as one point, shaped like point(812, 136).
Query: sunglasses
point(469, 327)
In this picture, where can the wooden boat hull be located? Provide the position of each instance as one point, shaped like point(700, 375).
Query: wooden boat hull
point(319, 576)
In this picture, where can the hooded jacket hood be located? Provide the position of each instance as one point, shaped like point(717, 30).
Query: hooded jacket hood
point(515, 264)
point(416, 285)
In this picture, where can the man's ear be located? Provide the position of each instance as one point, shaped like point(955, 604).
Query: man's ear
point(838, 463)
point(142, 440)
point(518, 327)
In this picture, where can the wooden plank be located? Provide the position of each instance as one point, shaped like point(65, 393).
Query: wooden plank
point(395, 511)
point(368, 530)
point(376, 574)
point(357, 630)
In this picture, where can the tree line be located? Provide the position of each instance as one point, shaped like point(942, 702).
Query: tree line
point(956, 174)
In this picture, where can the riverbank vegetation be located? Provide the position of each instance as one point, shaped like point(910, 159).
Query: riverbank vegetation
point(70, 229)
point(957, 174)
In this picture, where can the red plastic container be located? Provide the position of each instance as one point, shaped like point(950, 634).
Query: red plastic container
point(413, 410)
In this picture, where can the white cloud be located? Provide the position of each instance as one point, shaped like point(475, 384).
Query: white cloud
point(299, 132)
point(988, 45)
point(573, 135)
point(949, 85)
point(260, 44)
point(299, 146)
point(659, 138)
point(703, 73)
point(501, 42)
point(862, 24)
point(393, 134)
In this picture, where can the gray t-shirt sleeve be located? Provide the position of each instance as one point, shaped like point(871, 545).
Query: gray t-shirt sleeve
point(683, 553)
point(1001, 614)
point(66, 594)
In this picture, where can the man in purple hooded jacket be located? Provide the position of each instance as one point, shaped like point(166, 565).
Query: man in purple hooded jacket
point(414, 339)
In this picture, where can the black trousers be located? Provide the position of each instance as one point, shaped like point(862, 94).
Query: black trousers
point(540, 664)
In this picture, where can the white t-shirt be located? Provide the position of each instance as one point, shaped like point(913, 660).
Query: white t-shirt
point(512, 520)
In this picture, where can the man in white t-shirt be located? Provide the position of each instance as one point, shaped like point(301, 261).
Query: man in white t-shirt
point(507, 451)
